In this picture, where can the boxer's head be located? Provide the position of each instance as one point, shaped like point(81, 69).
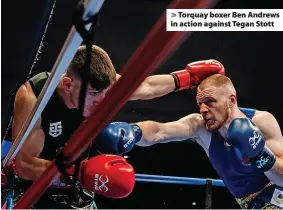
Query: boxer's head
point(87, 86)
point(216, 97)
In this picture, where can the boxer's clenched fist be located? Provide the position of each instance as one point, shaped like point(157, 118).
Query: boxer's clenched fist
point(195, 72)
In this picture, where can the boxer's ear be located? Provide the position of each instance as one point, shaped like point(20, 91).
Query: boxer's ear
point(68, 84)
point(232, 100)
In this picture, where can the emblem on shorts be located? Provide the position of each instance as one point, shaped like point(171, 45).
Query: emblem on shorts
point(277, 198)
point(55, 129)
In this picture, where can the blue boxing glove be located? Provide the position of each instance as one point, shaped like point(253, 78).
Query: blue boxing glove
point(245, 136)
point(117, 138)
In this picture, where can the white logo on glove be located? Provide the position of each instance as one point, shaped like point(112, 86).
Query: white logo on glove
point(100, 182)
point(128, 143)
point(212, 62)
point(254, 141)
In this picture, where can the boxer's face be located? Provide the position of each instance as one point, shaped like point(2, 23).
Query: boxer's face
point(72, 90)
point(92, 99)
point(213, 106)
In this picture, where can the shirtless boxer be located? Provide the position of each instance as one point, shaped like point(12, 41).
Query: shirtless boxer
point(245, 146)
point(76, 96)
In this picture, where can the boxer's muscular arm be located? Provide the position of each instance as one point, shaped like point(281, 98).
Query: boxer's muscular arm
point(153, 87)
point(189, 78)
point(27, 164)
point(269, 126)
point(154, 132)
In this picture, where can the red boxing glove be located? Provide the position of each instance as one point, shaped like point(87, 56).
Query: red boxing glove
point(196, 72)
point(107, 175)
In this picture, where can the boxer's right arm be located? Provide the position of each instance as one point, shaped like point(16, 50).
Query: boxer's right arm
point(188, 78)
point(27, 164)
point(155, 132)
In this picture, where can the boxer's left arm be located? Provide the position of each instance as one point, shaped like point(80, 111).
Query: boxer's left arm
point(180, 130)
point(269, 126)
point(120, 137)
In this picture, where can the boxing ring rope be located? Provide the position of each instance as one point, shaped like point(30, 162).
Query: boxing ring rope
point(177, 180)
point(209, 183)
point(144, 61)
point(184, 181)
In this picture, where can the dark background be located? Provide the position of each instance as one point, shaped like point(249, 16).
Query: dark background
point(252, 60)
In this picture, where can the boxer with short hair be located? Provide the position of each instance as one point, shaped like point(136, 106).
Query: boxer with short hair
point(78, 93)
point(245, 146)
